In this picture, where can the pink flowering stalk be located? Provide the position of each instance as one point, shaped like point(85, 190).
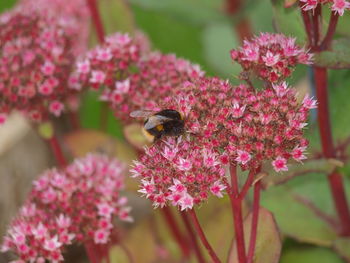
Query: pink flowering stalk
point(313, 22)
point(271, 57)
point(156, 75)
point(36, 57)
point(75, 205)
point(225, 125)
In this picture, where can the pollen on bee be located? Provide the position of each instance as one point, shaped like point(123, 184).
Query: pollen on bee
point(159, 127)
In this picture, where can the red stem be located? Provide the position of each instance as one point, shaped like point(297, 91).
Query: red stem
point(326, 43)
point(236, 205)
point(91, 252)
point(96, 18)
point(307, 23)
point(323, 112)
point(255, 219)
point(243, 27)
point(193, 238)
point(175, 231)
point(57, 151)
point(202, 237)
point(316, 23)
point(335, 179)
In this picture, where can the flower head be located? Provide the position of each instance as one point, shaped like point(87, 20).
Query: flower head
point(36, 54)
point(224, 124)
point(76, 204)
point(109, 62)
point(271, 57)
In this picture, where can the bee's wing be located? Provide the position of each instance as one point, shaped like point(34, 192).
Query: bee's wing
point(141, 114)
point(155, 120)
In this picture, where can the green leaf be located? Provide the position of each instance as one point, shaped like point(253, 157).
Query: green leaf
point(310, 255)
point(268, 242)
point(6, 4)
point(339, 107)
point(90, 115)
point(218, 40)
point(341, 246)
point(116, 16)
point(171, 35)
point(336, 58)
point(260, 15)
point(294, 218)
point(288, 21)
point(197, 12)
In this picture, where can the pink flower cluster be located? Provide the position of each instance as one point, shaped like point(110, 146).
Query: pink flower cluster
point(156, 76)
point(37, 52)
point(180, 172)
point(76, 204)
point(337, 6)
point(271, 57)
point(224, 125)
point(109, 62)
point(74, 16)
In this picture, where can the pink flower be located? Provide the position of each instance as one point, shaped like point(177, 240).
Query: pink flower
point(217, 189)
point(63, 221)
point(184, 165)
point(186, 202)
point(56, 108)
point(52, 244)
point(101, 236)
point(48, 68)
point(104, 54)
point(281, 89)
point(309, 4)
point(83, 67)
point(270, 59)
point(169, 152)
point(105, 210)
point(122, 87)
point(237, 111)
point(148, 188)
point(280, 164)
point(339, 6)
point(40, 231)
point(97, 77)
point(298, 153)
point(242, 157)
point(177, 187)
point(309, 102)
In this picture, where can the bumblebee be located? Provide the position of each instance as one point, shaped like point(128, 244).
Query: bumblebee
point(159, 124)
